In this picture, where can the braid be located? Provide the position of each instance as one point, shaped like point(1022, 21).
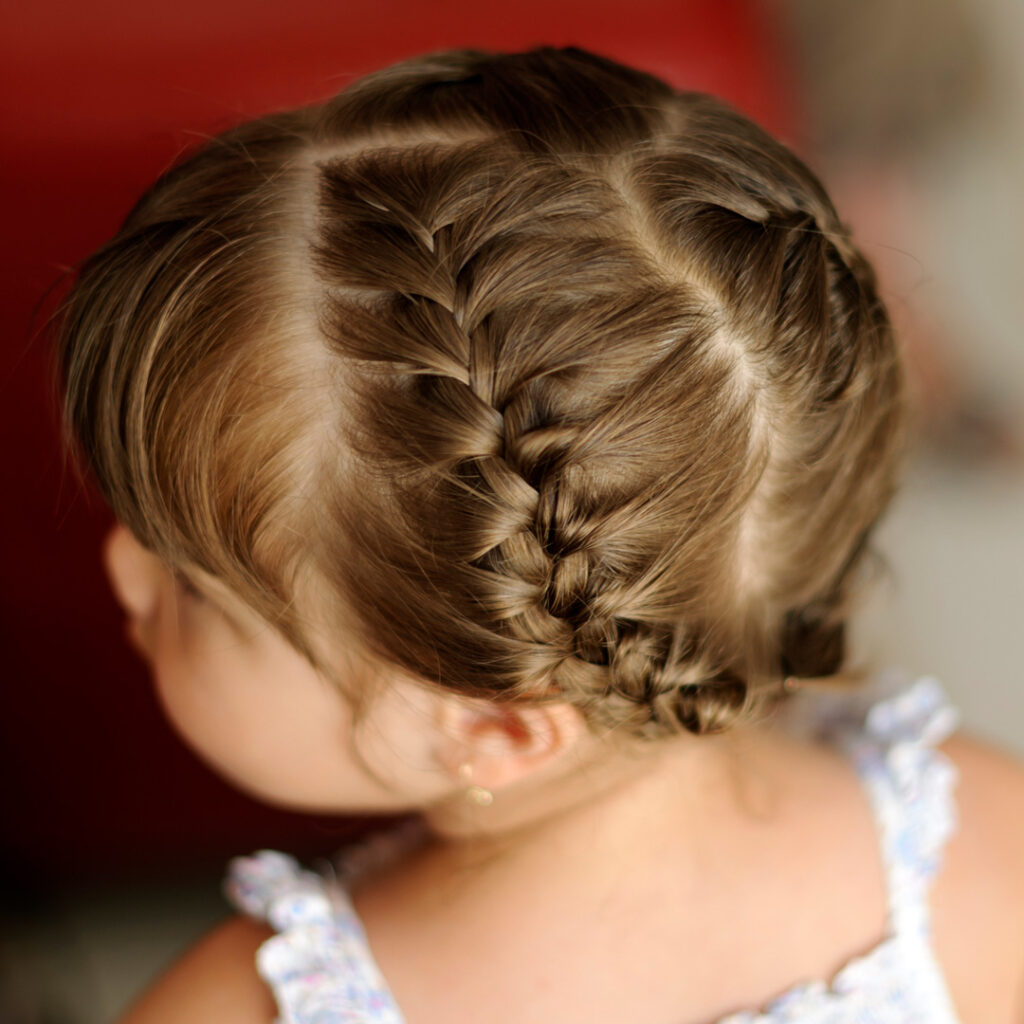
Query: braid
point(515, 504)
point(492, 440)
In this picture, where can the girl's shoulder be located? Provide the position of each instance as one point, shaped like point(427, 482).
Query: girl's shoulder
point(949, 805)
point(213, 982)
point(314, 953)
point(298, 937)
point(978, 898)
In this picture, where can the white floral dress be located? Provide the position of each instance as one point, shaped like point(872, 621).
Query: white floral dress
point(321, 970)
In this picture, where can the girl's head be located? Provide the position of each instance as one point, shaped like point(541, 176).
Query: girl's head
point(520, 376)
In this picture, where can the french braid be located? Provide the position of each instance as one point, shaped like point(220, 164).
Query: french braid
point(524, 344)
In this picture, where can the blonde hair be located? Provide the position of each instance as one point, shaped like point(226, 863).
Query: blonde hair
point(560, 383)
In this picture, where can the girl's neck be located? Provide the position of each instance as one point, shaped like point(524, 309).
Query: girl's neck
point(605, 798)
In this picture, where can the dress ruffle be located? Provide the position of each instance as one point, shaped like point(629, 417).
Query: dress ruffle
point(910, 726)
point(319, 965)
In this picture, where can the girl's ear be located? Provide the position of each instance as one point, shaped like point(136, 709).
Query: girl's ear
point(503, 742)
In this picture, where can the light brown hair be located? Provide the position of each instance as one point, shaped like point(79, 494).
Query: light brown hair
point(561, 384)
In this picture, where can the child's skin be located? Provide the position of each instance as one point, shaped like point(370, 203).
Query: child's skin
point(739, 828)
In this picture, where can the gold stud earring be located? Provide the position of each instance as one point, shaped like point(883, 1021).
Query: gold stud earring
point(474, 794)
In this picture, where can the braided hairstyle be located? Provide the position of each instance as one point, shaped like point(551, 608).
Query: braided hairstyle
point(559, 383)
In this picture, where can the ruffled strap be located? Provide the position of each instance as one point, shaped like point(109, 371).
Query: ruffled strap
point(319, 966)
point(910, 784)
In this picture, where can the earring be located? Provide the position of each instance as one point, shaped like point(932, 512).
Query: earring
point(474, 794)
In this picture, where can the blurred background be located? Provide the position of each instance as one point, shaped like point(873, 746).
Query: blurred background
point(114, 838)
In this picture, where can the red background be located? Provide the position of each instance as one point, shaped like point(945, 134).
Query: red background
point(98, 98)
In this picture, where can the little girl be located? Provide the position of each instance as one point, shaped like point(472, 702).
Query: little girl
point(497, 444)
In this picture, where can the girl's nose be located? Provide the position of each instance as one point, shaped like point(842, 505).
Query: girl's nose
point(134, 572)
